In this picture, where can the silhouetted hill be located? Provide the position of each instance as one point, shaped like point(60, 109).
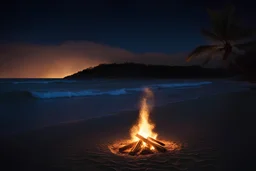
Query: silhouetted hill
point(133, 70)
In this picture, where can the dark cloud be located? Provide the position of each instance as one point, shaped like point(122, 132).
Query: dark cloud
point(30, 60)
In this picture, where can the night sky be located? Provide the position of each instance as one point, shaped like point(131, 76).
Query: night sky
point(57, 38)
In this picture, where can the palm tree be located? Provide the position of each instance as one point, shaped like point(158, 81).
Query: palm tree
point(227, 35)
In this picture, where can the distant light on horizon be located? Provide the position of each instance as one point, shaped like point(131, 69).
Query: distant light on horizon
point(58, 61)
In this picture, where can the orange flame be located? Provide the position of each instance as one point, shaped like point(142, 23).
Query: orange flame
point(144, 127)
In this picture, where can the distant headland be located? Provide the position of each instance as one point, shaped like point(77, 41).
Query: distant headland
point(143, 71)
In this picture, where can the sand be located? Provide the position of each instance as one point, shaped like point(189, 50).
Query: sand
point(214, 133)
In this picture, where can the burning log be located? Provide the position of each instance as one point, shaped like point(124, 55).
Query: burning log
point(146, 151)
point(140, 145)
point(126, 147)
point(156, 146)
point(136, 148)
point(156, 141)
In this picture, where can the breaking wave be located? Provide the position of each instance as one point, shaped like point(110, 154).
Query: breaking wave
point(48, 95)
point(115, 92)
point(176, 85)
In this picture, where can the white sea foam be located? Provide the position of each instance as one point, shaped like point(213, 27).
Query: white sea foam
point(115, 92)
point(174, 85)
point(59, 94)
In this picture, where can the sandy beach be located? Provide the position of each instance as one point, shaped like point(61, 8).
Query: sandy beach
point(214, 133)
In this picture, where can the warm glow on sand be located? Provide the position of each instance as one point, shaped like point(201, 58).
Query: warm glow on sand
point(144, 127)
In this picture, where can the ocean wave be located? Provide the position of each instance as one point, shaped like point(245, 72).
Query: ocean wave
point(179, 85)
point(48, 95)
point(171, 85)
point(115, 92)
point(58, 94)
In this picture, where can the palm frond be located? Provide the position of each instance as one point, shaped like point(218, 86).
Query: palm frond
point(234, 28)
point(226, 29)
point(237, 51)
point(211, 56)
point(229, 19)
point(238, 32)
point(227, 52)
point(211, 35)
point(200, 50)
point(247, 45)
point(208, 59)
point(216, 21)
point(225, 25)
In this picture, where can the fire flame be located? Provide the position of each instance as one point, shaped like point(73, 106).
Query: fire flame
point(144, 126)
point(145, 142)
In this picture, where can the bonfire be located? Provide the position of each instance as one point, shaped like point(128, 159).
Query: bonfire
point(143, 139)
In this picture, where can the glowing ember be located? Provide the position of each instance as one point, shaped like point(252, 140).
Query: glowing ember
point(143, 138)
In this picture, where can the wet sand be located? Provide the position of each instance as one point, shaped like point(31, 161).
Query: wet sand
point(215, 133)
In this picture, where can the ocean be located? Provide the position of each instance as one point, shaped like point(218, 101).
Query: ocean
point(30, 104)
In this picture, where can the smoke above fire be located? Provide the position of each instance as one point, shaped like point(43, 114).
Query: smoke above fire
point(144, 126)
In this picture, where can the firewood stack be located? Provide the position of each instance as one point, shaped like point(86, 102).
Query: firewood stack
point(136, 148)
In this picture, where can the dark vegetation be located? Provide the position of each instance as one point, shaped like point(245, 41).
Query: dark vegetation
point(246, 66)
point(134, 70)
point(226, 35)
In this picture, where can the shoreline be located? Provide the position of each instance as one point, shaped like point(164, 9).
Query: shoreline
point(122, 111)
